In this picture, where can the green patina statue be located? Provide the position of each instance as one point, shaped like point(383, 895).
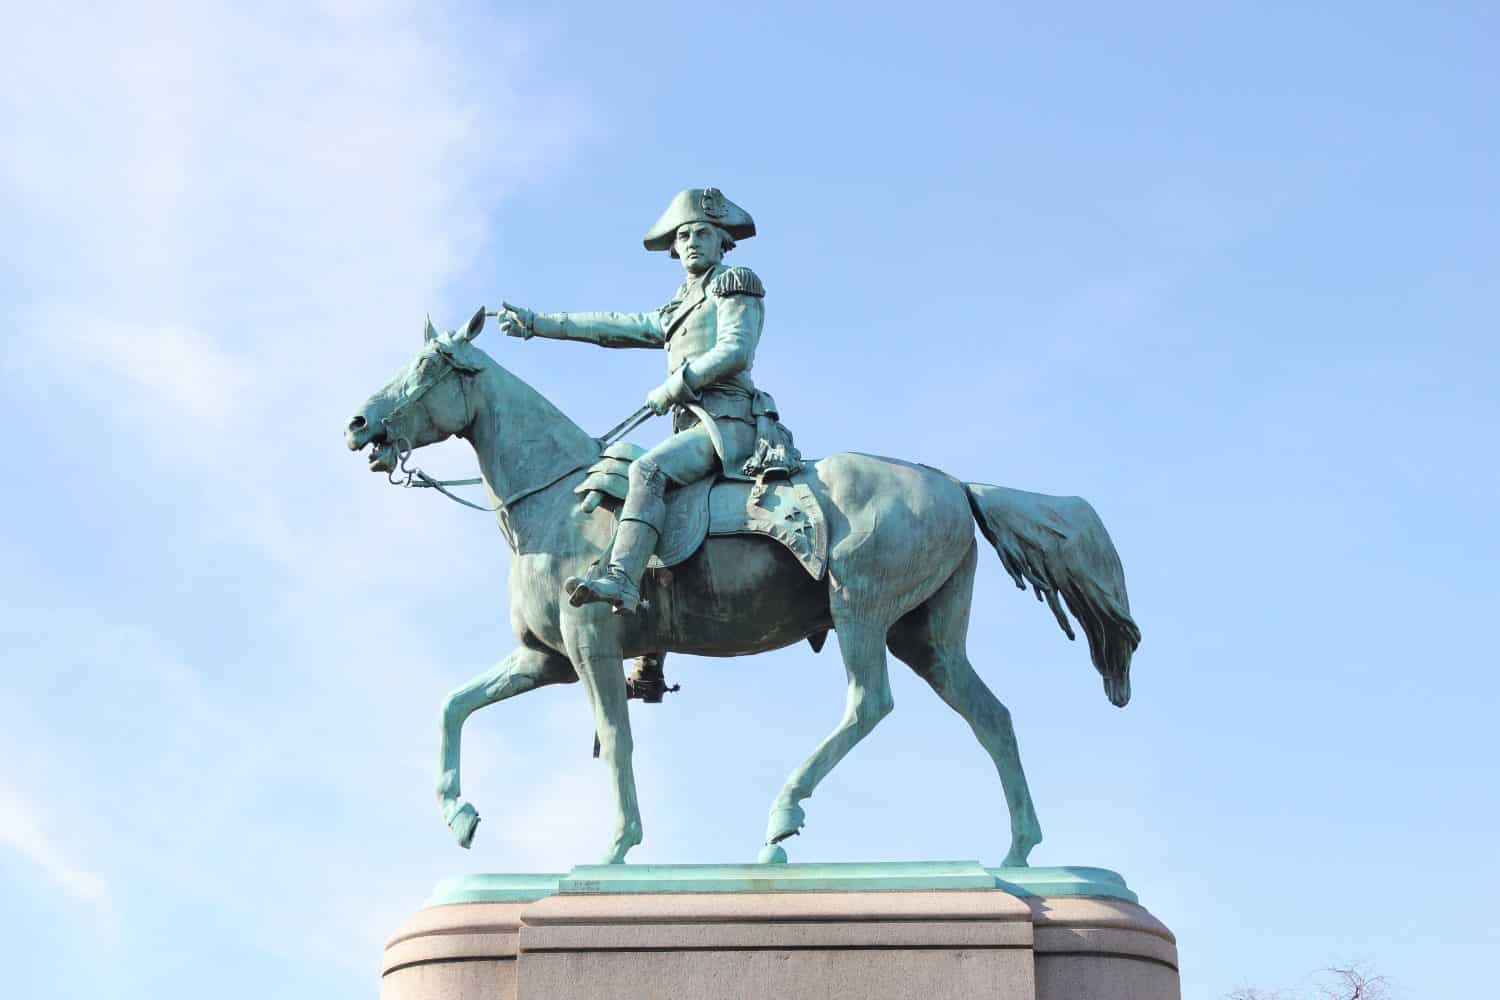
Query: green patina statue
point(720, 542)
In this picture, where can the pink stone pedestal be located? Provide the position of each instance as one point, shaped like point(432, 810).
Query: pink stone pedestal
point(949, 944)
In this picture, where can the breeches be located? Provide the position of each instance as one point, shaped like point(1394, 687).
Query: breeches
point(689, 455)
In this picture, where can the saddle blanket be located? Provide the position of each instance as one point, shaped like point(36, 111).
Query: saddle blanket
point(781, 509)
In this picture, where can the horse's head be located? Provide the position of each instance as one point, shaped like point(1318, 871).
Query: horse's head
point(427, 401)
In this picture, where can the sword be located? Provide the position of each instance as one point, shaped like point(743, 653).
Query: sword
point(625, 426)
point(640, 416)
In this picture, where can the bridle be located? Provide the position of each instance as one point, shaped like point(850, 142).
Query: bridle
point(390, 426)
point(412, 476)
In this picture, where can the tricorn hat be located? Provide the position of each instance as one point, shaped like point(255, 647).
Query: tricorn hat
point(699, 205)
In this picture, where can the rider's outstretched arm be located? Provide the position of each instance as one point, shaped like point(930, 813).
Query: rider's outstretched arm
point(607, 329)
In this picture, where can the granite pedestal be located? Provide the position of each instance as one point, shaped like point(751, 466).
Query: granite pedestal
point(950, 930)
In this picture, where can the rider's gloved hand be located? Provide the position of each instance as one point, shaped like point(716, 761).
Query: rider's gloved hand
point(659, 399)
point(676, 389)
point(516, 322)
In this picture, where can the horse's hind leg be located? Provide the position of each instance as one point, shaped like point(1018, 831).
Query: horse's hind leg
point(869, 701)
point(931, 640)
point(521, 671)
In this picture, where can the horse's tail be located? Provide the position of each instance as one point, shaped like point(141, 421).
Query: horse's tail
point(1059, 546)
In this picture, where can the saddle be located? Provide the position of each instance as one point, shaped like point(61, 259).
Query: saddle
point(779, 507)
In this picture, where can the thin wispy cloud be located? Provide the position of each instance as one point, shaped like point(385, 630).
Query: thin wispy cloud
point(27, 829)
point(162, 372)
point(215, 218)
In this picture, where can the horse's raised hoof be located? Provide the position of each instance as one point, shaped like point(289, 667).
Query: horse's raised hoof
point(772, 854)
point(463, 822)
point(785, 822)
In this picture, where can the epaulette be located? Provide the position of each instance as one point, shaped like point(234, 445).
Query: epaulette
point(737, 281)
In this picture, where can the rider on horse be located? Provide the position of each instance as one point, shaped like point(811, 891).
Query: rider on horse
point(720, 421)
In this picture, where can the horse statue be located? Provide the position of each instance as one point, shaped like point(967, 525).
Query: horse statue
point(898, 575)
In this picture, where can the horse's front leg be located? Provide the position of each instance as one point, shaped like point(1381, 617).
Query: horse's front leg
point(593, 640)
point(869, 700)
point(521, 671)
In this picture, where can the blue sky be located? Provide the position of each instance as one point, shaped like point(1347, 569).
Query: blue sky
point(1228, 271)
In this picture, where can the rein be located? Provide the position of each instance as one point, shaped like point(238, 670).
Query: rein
point(415, 477)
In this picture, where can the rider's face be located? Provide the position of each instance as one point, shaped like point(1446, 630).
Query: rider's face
point(699, 245)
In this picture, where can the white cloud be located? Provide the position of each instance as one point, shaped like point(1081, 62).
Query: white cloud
point(24, 828)
point(220, 220)
point(167, 370)
point(280, 185)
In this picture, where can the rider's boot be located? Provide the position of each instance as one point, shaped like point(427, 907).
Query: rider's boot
point(640, 524)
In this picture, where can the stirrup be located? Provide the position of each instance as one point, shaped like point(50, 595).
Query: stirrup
point(611, 588)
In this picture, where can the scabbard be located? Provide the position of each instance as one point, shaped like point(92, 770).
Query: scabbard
point(707, 420)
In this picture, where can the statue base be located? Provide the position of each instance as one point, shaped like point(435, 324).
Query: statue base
point(715, 932)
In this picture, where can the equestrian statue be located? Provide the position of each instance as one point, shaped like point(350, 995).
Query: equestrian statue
point(721, 540)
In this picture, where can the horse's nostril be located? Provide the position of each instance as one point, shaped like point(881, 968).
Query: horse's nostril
point(357, 423)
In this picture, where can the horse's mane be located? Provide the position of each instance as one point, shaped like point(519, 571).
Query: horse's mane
point(540, 440)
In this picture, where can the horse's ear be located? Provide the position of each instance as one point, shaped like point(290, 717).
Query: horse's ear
point(476, 323)
point(428, 331)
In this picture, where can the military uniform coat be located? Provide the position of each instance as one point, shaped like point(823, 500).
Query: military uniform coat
point(710, 330)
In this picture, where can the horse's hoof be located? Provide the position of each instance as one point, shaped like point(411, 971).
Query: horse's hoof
point(615, 855)
point(772, 854)
point(1019, 852)
point(625, 839)
point(785, 822)
point(463, 823)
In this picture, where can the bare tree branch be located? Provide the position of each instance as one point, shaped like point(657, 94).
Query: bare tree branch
point(1354, 982)
point(1350, 981)
point(1251, 993)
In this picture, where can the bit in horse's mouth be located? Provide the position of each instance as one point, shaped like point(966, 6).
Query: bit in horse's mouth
point(382, 454)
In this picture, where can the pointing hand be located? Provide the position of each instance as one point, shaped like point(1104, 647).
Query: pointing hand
point(516, 322)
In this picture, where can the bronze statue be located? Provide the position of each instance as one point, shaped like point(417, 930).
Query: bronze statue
point(753, 550)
